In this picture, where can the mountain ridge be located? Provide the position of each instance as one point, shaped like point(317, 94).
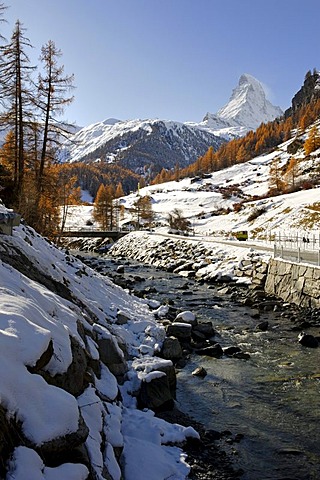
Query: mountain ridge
point(153, 144)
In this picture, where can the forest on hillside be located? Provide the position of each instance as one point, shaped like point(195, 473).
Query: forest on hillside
point(267, 136)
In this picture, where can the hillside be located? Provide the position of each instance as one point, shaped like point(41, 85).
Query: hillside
point(225, 200)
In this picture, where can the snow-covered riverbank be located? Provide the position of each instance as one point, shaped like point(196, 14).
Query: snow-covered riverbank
point(201, 259)
point(61, 396)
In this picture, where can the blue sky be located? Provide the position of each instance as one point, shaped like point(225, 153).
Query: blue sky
point(171, 59)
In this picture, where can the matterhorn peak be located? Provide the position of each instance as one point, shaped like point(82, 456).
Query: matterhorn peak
point(247, 108)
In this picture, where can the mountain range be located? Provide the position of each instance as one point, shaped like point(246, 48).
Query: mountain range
point(153, 144)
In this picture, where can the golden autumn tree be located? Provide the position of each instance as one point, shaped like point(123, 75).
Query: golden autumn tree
point(142, 210)
point(119, 191)
point(312, 143)
point(292, 173)
point(276, 183)
point(103, 211)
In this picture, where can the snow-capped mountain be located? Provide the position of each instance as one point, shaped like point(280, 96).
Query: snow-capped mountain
point(247, 108)
point(141, 144)
point(136, 144)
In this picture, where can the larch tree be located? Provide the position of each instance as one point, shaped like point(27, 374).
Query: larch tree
point(119, 191)
point(53, 89)
point(15, 73)
point(142, 210)
point(292, 172)
point(103, 211)
point(276, 181)
point(312, 143)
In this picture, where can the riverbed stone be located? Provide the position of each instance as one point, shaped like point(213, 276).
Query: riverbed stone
point(308, 340)
point(211, 351)
point(186, 317)
point(205, 328)
point(231, 350)
point(263, 326)
point(171, 349)
point(180, 330)
point(200, 372)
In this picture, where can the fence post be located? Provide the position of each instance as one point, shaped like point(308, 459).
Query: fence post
point(281, 251)
point(298, 254)
point(319, 257)
point(274, 250)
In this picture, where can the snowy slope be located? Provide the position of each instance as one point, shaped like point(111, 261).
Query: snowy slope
point(209, 202)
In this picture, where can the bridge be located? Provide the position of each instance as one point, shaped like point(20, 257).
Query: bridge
point(90, 233)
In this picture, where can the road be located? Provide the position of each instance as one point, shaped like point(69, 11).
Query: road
point(302, 254)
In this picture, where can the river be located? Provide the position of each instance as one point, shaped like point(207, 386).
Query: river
point(268, 405)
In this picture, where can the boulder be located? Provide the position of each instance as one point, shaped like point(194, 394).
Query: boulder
point(211, 351)
point(110, 352)
point(9, 438)
point(156, 393)
point(75, 379)
point(308, 340)
point(186, 317)
point(43, 360)
point(60, 446)
point(171, 349)
point(122, 318)
point(206, 328)
point(199, 372)
point(182, 331)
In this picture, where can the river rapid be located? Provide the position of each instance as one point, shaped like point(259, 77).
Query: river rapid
point(268, 406)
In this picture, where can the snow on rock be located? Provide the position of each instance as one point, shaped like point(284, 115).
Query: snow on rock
point(143, 434)
point(186, 316)
point(27, 465)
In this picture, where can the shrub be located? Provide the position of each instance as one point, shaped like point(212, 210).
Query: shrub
point(256, 213)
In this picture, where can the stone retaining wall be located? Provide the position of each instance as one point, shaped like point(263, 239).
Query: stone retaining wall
point(294, 283)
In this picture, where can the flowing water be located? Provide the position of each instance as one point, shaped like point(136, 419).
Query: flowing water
point(269, 405)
